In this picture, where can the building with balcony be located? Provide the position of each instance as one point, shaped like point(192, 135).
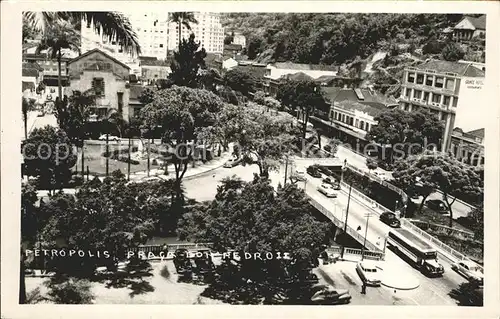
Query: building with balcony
point(436, 85)
point(468, 147)
point(470, 27)
point(106, 77)
point(208, 31)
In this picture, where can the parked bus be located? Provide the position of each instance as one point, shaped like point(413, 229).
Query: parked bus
point(423, 255)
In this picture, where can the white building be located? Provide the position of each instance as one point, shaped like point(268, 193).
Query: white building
point(240, 39)
point(208, 31)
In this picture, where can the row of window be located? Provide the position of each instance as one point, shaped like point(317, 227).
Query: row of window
point(436, 98)
point(431, 80)
point(469, 157)
point(349, 120)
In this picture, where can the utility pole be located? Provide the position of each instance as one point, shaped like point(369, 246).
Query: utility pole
point(366, 232)
point(148, 157)
point(107, 154)
point(286, 168)
point(346, 216)
point(128, 164)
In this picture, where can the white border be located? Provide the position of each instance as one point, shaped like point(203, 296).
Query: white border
point(11, 134)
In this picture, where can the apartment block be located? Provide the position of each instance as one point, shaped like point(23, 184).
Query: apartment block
point(436, 85)
point(208, 31)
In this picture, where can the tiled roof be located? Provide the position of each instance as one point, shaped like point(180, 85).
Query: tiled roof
point(213, 57)
point(28, 86)
point(299, 76)
point(101, 52)
point(150, 58)
point(300, 66)
point(478, 23)
point(459, 68)
point(369, 97)
point(233, 47)
point(154, 63)
point(30, 72)
point(355, 106)
point(32, 65)
point(477, 133)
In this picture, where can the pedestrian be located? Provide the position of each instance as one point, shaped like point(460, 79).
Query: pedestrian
point(363, 289)
point(345, 162)
point(359, 228)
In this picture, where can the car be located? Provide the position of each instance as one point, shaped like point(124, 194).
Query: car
point(182, 263)
point(469, 270)
point(368, 272)
point(328, 295)
point(232, 162)
point(390, 219)
point(314, 171)
point(300, 175)
point(437, 206)
point(110, 138)
point(327, 190)
point(335, 184)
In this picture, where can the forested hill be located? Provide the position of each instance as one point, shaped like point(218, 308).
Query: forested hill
point(337, 38)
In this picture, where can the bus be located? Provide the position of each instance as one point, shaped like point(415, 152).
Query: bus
point(423, 255)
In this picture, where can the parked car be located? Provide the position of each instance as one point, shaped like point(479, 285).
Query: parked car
point(110, 138)
point(331, 181)
point(368, 272)
point(300, 175)
point(314, 171)
point(232, 162)
point(437, 205)
point(327, 190)
point(182, 262)
point(390, 219)
point(469, 270)
point(328, 295)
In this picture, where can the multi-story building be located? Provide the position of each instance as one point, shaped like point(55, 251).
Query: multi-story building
point(208, 31)
point(106, 77)
point(436, 85)
point(240, 39)
point(470, 27)
point(468, 147)
point(153, 70)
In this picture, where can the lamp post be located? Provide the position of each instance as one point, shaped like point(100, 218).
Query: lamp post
point(366, 233)
point(346, 216)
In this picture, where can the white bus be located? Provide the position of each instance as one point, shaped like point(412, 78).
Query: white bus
point(423, 255)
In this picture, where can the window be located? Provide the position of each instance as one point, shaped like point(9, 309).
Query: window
point(357, 123)
point(407, 92)
point(420, 79)
point(418, 94)
point(343, 118)
point(436, 98)
point(411, 77)
point(428, 80)
point(450, 84)
point(446, 100)
point(120, 102)
point(362, 126)
point(426, 97)
point(367, 127)
point(455, 101)
point(98, 86)
point(439, 82)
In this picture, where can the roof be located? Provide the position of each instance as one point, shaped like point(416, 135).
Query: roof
point(240, 57)
point(299, 76)
point(424, 245)
point(154, 63)
point(144, 58)
point(477, 22)
point(356, 106)
point(302, 66)
point(441, 66)
point(233, 47)
point(32, 65)
point(257, 72)
point(101, 52)
point(364, 96)
point(27, 46)
point(477, 133)
point(213, 57)
point(42, 57)
point(28, 86)
point(30, 72)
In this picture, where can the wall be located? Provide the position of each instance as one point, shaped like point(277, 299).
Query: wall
point(154, 72)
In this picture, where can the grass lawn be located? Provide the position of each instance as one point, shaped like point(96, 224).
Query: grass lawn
point(97, 163)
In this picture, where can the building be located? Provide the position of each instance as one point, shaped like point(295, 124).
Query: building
point(436, 85)
point(153, 69)
point(240, 39)
point(468, 147)
point(231, 50)
point(106, 76)
point(229, 63)
point(32, 72)
point(470, 27)
point(208, 31)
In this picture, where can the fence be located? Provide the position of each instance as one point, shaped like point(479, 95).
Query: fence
point(467, 235)
point(445, 250)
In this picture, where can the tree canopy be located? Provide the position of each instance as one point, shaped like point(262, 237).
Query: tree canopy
point(187, 62)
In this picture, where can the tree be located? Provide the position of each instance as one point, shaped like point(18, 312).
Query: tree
point(183, 19)
point(73, 291)
point(48, 154)
point(28, 105)
point(476, 215)
point(57, 36)
point(239, 81)
point(439, 171)
point(254, 47)
point(371, 164)
point(303, 95)
point(407, 132)
point(259, 97)
point(228, 39)
point(182, 113)
point(452, 52)
point(229, 123)
point(250, 218)
point(468, 294)
point(187, 62)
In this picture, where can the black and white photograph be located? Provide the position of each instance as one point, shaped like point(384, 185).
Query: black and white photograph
point(253, 158)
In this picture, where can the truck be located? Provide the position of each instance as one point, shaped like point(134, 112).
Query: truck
point(419, 252)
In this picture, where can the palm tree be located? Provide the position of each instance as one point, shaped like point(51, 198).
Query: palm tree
point(112, 25)
point(27, 106)
point(183, 19)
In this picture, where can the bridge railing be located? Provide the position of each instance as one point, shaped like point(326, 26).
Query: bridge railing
point(335, 251)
